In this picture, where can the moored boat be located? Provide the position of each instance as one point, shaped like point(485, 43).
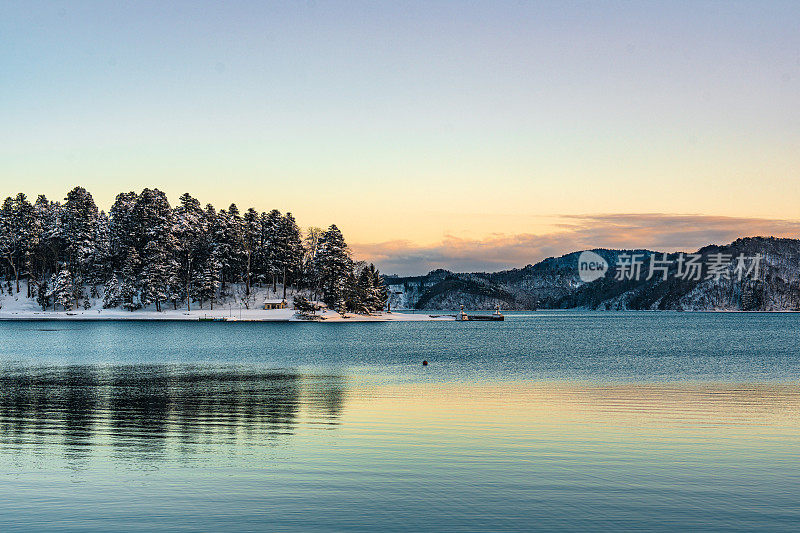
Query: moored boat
point(496, 316)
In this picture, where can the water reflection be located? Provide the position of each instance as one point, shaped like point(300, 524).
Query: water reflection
point(234, 448)
point(146, 411)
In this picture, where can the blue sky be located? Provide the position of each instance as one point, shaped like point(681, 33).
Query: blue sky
point(412, 122)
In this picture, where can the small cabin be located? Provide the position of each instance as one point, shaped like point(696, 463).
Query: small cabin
point(274, 304)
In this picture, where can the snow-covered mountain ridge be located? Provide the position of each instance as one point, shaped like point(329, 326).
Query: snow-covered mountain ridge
point(555, 283)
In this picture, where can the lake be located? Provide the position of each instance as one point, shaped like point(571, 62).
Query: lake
point(553, 420)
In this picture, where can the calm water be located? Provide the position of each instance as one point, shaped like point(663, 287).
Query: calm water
point(552, 420)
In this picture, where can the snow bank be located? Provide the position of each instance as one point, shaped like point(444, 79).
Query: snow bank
point(18, 307)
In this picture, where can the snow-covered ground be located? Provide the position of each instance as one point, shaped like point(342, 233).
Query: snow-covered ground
point(18, 307)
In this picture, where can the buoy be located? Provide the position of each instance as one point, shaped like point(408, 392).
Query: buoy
point(424, 363)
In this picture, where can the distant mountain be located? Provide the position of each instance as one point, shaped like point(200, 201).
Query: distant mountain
point(554, 283)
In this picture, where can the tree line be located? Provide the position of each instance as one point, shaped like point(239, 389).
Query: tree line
point(145, 252)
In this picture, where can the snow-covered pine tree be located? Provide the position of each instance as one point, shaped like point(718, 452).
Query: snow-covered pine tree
point(333, 264)
point(158, 274)
point(289, 252)
point(78, 293)
point(270, 228)
point(261, 253)
point(365, 290)
point(341, 306)
point(50, 294)
point(79, 220)
point(157, 243)
point(251, 238)
point(150, 280)
point(311, 241)
point(129, 288)
point(188, 229)
point(50, 243)
point(100, 261)
point(304, 308)
point(376, 293)
point(176, 294)
point(63, 292)
point(233, 236)
point(220, 229)
point(196, 285)
point(8, 239)
point(39, 245)
point(16, 216)
point(123, 228)
point(353, 294)
point(24, 222)
point(43, 295)
point(210, 281)
point(162, 254)
point(112, 294)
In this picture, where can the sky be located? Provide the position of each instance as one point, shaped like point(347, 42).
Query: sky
point(463, 135)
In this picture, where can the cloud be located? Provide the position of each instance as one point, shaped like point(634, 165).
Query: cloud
point(655, 231)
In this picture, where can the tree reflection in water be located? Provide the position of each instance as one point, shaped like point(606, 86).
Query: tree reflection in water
point(144, 411)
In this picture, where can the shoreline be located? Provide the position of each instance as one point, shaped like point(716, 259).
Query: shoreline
point(217, 316)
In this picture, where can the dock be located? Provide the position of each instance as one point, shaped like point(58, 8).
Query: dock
point(464, 317)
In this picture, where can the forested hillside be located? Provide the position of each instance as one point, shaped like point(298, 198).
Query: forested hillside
point(145, 252)
point(554, 283)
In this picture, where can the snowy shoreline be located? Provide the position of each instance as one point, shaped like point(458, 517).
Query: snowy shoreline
point(17, 307)
point(218, 315)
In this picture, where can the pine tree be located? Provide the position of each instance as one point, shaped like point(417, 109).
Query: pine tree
point(233, 237)
point(210, 282)
point(188, 229)
point(311, 244)
point(157, 274)
point(49, 243)
point(152, 220)
point(79, 220)
point(77, 289)
point(129, 288)
point(261, 254)
point(43, 294)
point(353, 294)
point(112, 294)
point(176, 294)
point(303, 306)
point(271, 228)
point(222, 238)
point(100, 261)
point(251, 233)
point(24, 222)
point(16, 216)
point(288, 249)
point(366, 290)
point(160, 254)
point(333, 264)
point(341, 300)
point(377, 293)
point(63, 292)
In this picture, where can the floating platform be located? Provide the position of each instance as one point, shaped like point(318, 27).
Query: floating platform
point(484, 317)
point(463, 317)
